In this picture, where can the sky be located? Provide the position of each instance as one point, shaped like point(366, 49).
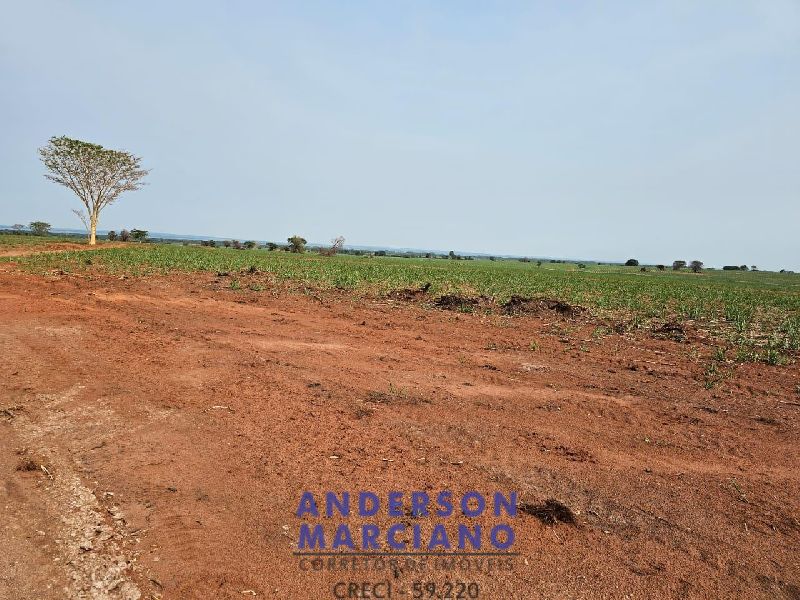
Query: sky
point(586, 130)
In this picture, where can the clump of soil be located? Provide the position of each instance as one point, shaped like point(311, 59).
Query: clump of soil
point(518, 305)
point(549, 513)
point(409, 294)
point(670, 330)
point(28, 465)
point(459, 303)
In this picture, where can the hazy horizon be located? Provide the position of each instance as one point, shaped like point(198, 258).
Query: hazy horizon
point(657, 131)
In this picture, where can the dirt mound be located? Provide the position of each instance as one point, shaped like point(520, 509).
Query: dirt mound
point(460, 303)
point(519, 305)
point(671, 330)
point(549, 513)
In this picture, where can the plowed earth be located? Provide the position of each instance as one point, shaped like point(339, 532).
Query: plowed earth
point(156, 434)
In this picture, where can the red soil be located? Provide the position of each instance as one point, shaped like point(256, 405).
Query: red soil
point(178, 423)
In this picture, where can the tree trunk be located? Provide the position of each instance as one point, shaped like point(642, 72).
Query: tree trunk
point(92, 230)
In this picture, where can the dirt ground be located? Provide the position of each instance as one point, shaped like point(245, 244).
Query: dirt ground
point(156, 435)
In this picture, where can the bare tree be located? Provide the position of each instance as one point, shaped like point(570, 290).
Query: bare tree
point(336, 245)
point(97, 175)
point(696, 266)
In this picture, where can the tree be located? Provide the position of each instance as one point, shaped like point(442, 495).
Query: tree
point(95, 174)
point(124, 235)
point(271, 246)
point(250, 244)
point(40, 227)
point(336, 246)
point(631, 262)
point(743, 268)
point(678, 265)
point(297, 244)
point(696, 266)
point(18, 227)
point(661, 267)
point(754, 268)
point(139, 235)
point(112, 235)
point(451, 255)
point(237, 245)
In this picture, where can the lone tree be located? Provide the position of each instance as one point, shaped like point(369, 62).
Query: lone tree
point(631, 262)
point(40, 227)
point(297, 244)
point(139, 235)
point(696, 266)
point(97, 175)
point(678, 265)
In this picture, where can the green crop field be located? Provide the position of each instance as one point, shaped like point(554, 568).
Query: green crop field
point(37, 240)
point(756, 313)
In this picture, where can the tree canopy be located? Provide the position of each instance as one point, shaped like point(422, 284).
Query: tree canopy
point(95, 174)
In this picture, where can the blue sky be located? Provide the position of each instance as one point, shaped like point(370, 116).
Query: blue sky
point(655, 130)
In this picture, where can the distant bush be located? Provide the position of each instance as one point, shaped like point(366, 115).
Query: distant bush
point(297, 244)
point(112, 235)
point(661, 267)
point(631, 262)
point(250, 244)
point(272, 246)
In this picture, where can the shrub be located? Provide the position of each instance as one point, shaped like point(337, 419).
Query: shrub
point(631, 262)
point(297, 244)
point(112, 235)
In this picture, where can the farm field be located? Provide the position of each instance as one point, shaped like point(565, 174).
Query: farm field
point(754, 315)
point(163, 405)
